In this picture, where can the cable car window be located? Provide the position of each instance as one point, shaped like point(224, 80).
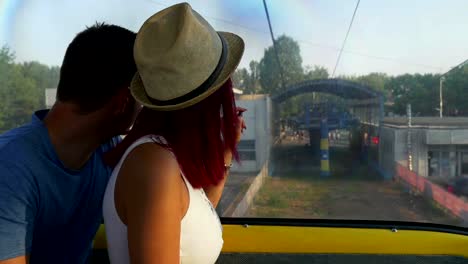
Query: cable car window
point(351, 105)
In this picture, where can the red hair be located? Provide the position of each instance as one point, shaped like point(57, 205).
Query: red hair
point(198, 135)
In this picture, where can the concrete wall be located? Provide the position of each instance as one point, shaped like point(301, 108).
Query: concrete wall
point(243, 206)
point(367, 114)
point(50, 94)
point(394, 148)
point(258, 122)
point(455, 205)
point(400, 146)
point(447, 137)
point(420, 152)
point(387, 150)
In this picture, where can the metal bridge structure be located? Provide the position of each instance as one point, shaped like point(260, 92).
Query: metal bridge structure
point(364, 104)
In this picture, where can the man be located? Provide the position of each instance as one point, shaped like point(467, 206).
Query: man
point(52, 175)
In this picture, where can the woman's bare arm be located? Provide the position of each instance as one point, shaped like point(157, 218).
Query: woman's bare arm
point(16, 260)
point(213, 193)
point(150, 180)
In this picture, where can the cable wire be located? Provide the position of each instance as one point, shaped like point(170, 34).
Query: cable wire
point(346, 37)
point(275, 46)
point(315, 44)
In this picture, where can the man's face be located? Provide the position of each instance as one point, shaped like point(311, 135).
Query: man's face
point(123, 121)
point(133, 113)
point(130, 114)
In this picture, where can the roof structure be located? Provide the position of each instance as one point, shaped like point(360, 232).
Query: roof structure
point(338, 87)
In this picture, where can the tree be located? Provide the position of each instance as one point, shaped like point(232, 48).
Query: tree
point(239, 78)
point(16, 92)
point(455, 89)
point(43, 76)
point(249, 82)
point(295, 105)
point(22, 88)
point(418, 90)
point(317, 72)
point(6, 59)
point(375, 80)
point(290, 62)
point(253, 85)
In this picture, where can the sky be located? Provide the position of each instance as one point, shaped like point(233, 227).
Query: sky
point(390, 36)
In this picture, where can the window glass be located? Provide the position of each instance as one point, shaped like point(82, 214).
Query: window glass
point(344, 116)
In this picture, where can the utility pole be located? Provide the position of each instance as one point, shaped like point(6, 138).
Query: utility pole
point(441, 101)
point(408, 137)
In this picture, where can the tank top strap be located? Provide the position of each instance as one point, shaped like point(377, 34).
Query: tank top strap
point(138, 142)
point(144, 139)
point(160, 140)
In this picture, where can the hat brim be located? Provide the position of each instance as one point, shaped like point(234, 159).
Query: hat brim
point(235, 49)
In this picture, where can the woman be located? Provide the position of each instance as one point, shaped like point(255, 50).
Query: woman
point(171, 168)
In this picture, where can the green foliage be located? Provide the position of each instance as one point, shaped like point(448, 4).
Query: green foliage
point(22, 88)
point(22, 85)
point(375, 80)
point(421, 91)
point(239, 78)
point(295, 105)
point(291, 64)
point(455, 89)
point(317, 72)
point(247, 81)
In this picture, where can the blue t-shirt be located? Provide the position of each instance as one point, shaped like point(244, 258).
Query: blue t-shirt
point(47, 210)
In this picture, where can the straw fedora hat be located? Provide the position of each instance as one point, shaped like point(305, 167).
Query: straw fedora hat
point(181, 59)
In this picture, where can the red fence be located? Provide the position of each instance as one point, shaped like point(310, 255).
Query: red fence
point(444, 198)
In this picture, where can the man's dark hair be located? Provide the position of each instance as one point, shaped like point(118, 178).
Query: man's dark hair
point(97, 64)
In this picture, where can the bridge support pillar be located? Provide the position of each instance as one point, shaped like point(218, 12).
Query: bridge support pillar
point(314, 140)
point(307, 115)
point(324, 148)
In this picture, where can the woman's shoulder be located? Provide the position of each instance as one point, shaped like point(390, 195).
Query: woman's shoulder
point(149, 178)
point(148, 160)
point(149, 170)
point(152, 160)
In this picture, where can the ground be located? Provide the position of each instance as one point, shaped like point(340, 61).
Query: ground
point(354, 190)
point(235, 188)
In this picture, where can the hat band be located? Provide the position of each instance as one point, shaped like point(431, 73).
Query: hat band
point(203, 87)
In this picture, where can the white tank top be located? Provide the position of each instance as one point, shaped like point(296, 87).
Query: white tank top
point(201, 230)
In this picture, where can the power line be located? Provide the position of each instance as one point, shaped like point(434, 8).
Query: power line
point(392, 60)
point(314, 44)
point(220, 20)
point(460, 65)
point(275, 47)
point(346, 37)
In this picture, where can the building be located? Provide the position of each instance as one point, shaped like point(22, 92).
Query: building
point(254, 147)
point(50, 96)
point(432, 147)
